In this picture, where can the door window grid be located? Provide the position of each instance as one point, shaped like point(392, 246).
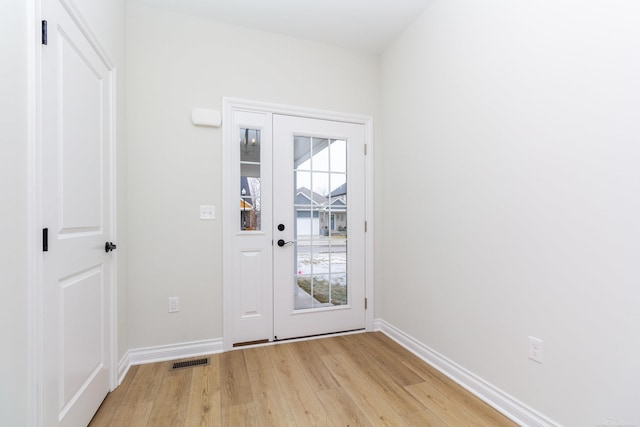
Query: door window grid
point(321, 234)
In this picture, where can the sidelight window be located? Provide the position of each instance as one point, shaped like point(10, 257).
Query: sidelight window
point(250, 203)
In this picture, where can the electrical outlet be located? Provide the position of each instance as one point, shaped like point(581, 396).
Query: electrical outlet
point(535, 349)
point(174, 305)
point(207, 212)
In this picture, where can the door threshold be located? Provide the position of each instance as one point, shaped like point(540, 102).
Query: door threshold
point(308, 337)
point(263, 343)
point(246, 343)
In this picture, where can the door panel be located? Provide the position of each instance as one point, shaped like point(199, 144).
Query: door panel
point(319, 281)
point(77, 137)
point(249, 255)
point(81, 145)
point(252, 291)
point(82, 349)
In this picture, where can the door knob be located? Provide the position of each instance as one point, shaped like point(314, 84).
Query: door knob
point(282, 243)
point(109, 246)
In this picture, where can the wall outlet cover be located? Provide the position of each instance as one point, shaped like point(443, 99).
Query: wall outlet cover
point(535, 349)
point(207, 212)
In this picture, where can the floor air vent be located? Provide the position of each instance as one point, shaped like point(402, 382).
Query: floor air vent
point(190, 363)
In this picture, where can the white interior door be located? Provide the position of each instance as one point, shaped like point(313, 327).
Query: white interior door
point(319, 230)
point(77, 139)
point(294, 225)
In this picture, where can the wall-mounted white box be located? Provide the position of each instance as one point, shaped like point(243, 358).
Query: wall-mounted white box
point(206, 117)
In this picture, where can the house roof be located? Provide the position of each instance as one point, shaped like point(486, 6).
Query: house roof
point(340, 191)
point(307, 196)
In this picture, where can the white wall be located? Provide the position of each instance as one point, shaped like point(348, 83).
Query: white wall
point(13, 213)
point(514, 129)
point(178, 62)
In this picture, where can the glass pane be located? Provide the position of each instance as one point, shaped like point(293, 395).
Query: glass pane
point(306, 223)
point(338, 184)
point(302, 293)
point(303, 186)
point(250, 206)
point(302, 152)
point(320, 186)
point(338, 289)
point(338, 156)
point(250, 145)
point(321, 291)
point(250, 170)
point(321, 223)
point(320, 154)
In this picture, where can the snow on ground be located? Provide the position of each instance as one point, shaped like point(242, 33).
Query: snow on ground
point(331, 267)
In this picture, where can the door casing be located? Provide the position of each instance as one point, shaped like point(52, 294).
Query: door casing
point(229, 196)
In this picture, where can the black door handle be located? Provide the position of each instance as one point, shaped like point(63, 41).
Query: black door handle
point(282, 243)
point(109, 246)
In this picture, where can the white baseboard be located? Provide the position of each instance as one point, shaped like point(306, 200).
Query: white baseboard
point(162, 353)
point(501, 401)
point(123, 368)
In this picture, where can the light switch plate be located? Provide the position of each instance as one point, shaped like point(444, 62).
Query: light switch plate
point(207, 212)
point(174, 305)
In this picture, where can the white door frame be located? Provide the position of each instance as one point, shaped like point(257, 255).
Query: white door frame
point(36, 206)
point(229, 211)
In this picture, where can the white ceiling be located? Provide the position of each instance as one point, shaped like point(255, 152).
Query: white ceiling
point(369, 25)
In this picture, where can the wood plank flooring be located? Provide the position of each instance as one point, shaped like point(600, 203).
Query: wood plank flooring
point(353, 380)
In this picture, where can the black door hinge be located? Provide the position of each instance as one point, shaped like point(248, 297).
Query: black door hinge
point(45, 240)
point(44, 32)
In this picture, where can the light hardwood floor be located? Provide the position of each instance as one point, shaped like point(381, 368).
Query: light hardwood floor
point(353, 380)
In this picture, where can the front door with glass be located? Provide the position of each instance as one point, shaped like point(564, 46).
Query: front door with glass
point(319, 200)
point(294, 257)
